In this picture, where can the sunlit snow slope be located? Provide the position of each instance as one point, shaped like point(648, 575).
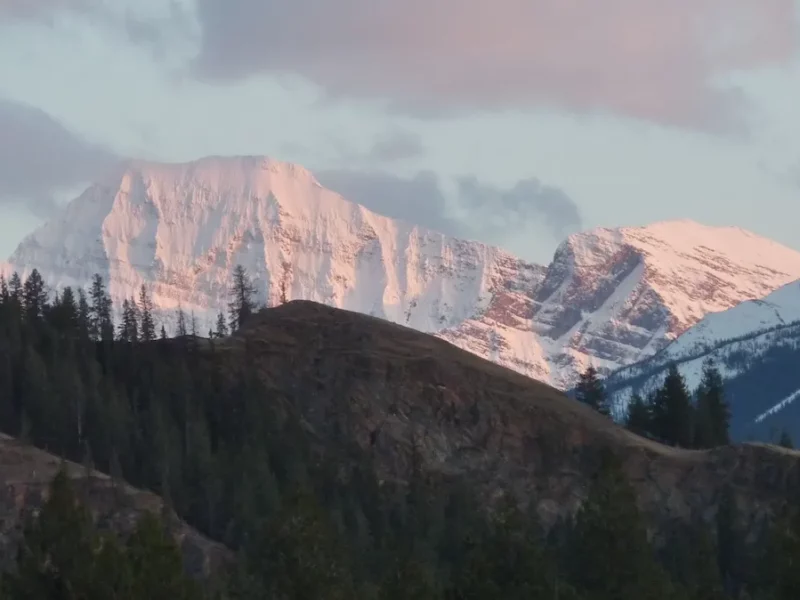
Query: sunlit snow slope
point(755, 345)
point(610, 297)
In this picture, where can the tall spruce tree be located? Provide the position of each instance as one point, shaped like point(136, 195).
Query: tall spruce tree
point(712, 419)
point(242, 304)
point(640, 417)
point(591, 391)
point(672, 411)
point(148, 325)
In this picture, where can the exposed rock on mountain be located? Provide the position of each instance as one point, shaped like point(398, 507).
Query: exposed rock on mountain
point(610, 297)
point(388, 388)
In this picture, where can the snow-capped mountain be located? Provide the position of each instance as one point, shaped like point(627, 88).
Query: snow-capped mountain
point(755, 345)
point(610, 297)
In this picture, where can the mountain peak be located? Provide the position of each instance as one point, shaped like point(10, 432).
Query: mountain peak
point(610, 296)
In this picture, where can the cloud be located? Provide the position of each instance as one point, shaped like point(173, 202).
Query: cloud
point(477, 210)
point(39, 157)
point(395, 146)
point(417, 199)
point(651, 59)
point(528, 200)
point(42, 9)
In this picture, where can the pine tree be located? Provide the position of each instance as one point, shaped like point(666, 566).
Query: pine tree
point(102, 323)
point(242, 304)
point(55, 553)
point(610, 556)
point(639, 418)
point(15, 287)
point(148, 325)
point(129, 326)
point(222, 327)
point(712, 414)
point(34, 296)
point(672, 411)
point(181, 327)
point(591, 391)
point(156, 563)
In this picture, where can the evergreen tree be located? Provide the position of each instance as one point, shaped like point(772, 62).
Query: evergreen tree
point(129, 326)
point(148, 327)
point(591, 391)
point(242, 304)
point(672, 411)
point(639, 418)
point(102, 325)
point(712, 413)
point(53, 557)
point(611, 558)
point(222, 327)
point(34, 296)
point(181, 327)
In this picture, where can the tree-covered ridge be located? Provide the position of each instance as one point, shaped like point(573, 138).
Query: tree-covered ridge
point(234, 459)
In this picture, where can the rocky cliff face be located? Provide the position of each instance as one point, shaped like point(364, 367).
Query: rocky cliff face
point(610, 297)
point(25, 476)
point(388, 388)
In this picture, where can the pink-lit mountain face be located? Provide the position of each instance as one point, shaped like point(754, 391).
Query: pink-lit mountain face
point(610, 297)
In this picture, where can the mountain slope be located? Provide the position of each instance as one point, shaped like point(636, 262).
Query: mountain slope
point(756, 346)
point(25, 476)
point(394, 391)
point(614, 296)
point(610, 297)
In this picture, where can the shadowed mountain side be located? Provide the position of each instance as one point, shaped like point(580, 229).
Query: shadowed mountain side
point(25, 476)
point(358, 379)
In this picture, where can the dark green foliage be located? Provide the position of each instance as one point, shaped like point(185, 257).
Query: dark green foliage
point(590, 391)
point(712, 419)
point(640, 416)
point(610, 556)
point(672, 411)
point(63, 556)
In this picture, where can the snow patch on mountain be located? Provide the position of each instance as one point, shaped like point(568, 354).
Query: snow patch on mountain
point(755, 345)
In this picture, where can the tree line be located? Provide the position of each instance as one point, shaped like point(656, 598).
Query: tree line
point(671, 413)
point(230, 454)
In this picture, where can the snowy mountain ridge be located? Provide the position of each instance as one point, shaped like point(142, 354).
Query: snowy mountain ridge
point(610, 297)
point(755, 345)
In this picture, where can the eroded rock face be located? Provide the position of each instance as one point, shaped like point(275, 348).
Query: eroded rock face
point(386, 386)
point(25, 476)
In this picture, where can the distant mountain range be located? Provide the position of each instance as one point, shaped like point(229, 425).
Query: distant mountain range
point(756, 346)
point(610, 297)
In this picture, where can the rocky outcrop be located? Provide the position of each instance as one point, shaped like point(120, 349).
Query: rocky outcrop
point(25, 476)
point(388, 388)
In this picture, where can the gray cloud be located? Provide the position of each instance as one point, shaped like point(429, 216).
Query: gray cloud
point(417, 199)
point(653, 60)
point(478, 210)
point(528, 200)
point(43, 9)
point(395, 146)
point(39, 156)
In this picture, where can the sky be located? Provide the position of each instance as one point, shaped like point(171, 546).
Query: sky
point(514, 122)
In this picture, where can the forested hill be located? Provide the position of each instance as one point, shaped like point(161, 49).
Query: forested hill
point(346, 457)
